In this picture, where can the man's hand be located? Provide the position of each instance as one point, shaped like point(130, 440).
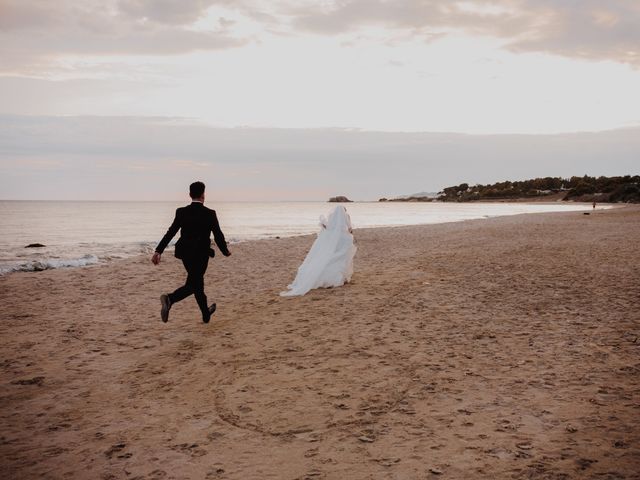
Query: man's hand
point(156, 258)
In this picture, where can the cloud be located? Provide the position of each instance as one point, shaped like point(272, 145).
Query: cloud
point(34, 32)
point(589, 29)
point(170, 12)
point(99, 153)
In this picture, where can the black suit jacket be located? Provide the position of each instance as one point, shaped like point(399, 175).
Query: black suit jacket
point(195, 222)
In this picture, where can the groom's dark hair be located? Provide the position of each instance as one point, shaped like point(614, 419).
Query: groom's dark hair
point(196, 189)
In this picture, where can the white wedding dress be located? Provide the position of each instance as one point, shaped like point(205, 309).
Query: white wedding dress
point(329, 263)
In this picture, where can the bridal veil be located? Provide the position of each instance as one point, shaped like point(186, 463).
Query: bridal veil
point(329, 262)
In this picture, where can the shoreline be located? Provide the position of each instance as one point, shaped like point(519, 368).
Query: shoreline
point(92, 259)
point(504, 348)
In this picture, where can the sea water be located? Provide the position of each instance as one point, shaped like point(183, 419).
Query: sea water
point(85, 233)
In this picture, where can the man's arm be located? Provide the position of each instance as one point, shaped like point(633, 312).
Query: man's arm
point(173, 229)
point(219, 236)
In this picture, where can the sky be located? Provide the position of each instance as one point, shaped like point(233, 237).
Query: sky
point(302, 100)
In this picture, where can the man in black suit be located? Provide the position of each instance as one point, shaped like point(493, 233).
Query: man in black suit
point(195, 222)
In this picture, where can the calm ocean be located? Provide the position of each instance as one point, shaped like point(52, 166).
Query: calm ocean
point(85, 233)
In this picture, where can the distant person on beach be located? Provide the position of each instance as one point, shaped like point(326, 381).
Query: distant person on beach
point(196, 223)
point(329, 262)
point(594, 204)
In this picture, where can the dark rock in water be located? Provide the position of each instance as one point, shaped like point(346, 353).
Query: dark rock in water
point(339, 199)
point(35, 245)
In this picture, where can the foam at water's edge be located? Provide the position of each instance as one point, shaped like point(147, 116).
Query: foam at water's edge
point(48, 264)
point(118, 236)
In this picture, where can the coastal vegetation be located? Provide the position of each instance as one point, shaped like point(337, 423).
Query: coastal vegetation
point(410, 198)
point(583, 189)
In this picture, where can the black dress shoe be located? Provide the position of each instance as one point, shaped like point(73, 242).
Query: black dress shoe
point(166, 306)
point(207, 317)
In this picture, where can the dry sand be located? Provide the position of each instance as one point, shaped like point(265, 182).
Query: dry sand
point(499, 348)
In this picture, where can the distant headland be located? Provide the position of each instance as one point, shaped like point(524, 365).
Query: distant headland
point(340, 199)
point(579, 189)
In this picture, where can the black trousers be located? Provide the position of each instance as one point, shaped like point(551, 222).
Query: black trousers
point(195, 267)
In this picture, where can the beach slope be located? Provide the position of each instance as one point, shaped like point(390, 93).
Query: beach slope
point(499, 348)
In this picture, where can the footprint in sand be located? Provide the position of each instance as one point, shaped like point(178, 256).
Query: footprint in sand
point(324, 398)
point(115, 449)
point(192, 449)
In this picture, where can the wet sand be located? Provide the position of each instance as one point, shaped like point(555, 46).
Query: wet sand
point(498, 348)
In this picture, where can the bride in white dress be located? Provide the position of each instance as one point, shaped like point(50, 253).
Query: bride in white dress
point(329, 263)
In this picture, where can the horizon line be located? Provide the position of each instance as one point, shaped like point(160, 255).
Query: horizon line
point(198, 122)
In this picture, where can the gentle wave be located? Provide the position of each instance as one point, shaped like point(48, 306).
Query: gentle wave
point(49, 264)
point(43, 263)
point(78, 234)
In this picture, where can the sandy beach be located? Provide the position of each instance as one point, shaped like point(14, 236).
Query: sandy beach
point(499, 348)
